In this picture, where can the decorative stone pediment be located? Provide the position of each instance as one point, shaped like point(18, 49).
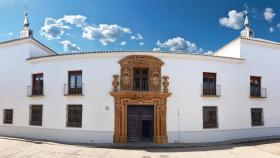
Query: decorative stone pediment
point(140, 61)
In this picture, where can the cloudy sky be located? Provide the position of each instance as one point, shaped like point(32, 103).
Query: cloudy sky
point(166, 25)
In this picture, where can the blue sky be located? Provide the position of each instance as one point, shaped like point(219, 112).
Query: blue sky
point(174, 25)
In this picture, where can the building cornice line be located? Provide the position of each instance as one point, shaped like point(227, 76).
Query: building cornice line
point(126, 53)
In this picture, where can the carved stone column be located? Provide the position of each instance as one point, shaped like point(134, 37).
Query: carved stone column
point(116, 83)
point(118, 120)
point(165, 84)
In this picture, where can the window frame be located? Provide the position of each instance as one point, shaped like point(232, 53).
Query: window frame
point(209, 88)
point(77, 87)
point(257, 124)
point(143, 78)
point(5, 116)
point(37, 89)
point(31, 121)
point(72, 125)
point(255, 91)
point(205, 126)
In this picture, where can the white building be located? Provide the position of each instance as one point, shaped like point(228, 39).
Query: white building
point(116, 96)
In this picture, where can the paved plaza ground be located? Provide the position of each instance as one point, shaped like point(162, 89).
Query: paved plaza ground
point(20, 148)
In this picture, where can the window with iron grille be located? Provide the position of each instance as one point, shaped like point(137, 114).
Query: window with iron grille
point(74, 116)
point(257, 116)
point(210, 117)
point(36, 112)
point(8, 116)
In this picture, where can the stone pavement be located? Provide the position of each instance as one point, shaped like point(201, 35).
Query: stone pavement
point(20, 148)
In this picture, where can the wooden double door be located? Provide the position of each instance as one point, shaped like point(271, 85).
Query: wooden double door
point(140, 123)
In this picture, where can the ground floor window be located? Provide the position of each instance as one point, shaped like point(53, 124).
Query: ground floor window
point(257, 116)
point(36, 115)
point(74, 116)
point(210, 117)
point(8, 116)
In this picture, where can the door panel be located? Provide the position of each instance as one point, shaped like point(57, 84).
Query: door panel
point(139, 122)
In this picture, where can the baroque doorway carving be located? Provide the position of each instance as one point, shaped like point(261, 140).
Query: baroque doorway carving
point(125, 95)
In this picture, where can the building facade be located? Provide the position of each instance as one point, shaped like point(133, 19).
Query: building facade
point(123, 96)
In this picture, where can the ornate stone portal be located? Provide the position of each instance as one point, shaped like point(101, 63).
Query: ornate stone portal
point(124, 96)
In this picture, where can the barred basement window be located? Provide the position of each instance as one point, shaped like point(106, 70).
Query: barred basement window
point(36, 115)
point(210, 118)
point(257, 116)
point(74, 116)
point(8, 116)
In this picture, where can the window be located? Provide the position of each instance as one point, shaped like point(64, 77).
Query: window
point(74, 116)
point(8, 116)
point(75, 82)
point(36, 115)
point(37, 84)
point(141, 79)
point(257, 116)
point(210, 117)
point(209, 83)
point(255, 86)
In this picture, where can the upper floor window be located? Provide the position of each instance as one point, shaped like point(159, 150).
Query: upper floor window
point(210, 117)
point(37, 84)
point(75, 84)
point(8, 116)
point(255, 86)
point(209, 84)
point(141, 79)
point(257, 116)
point(74, 116)
point(36, 112)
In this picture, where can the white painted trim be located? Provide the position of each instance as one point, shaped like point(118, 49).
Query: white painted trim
point(123, 54)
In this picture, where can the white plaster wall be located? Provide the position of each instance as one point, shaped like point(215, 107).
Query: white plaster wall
point(232, 49)
point(35, 51)
point(185, 74)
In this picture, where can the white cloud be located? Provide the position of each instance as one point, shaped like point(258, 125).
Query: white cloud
point(53, 29)
point(209, 52)
point(268, 14)
point(10, 33)
point(141, 43)
point(278, 25)
point(234, 20)
point(77, 20)
point(105, 33)
point(271, 29)
point(178, 44)
point(69, 46)
point(156, 49)
point(137, 37)
point(123, 43)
